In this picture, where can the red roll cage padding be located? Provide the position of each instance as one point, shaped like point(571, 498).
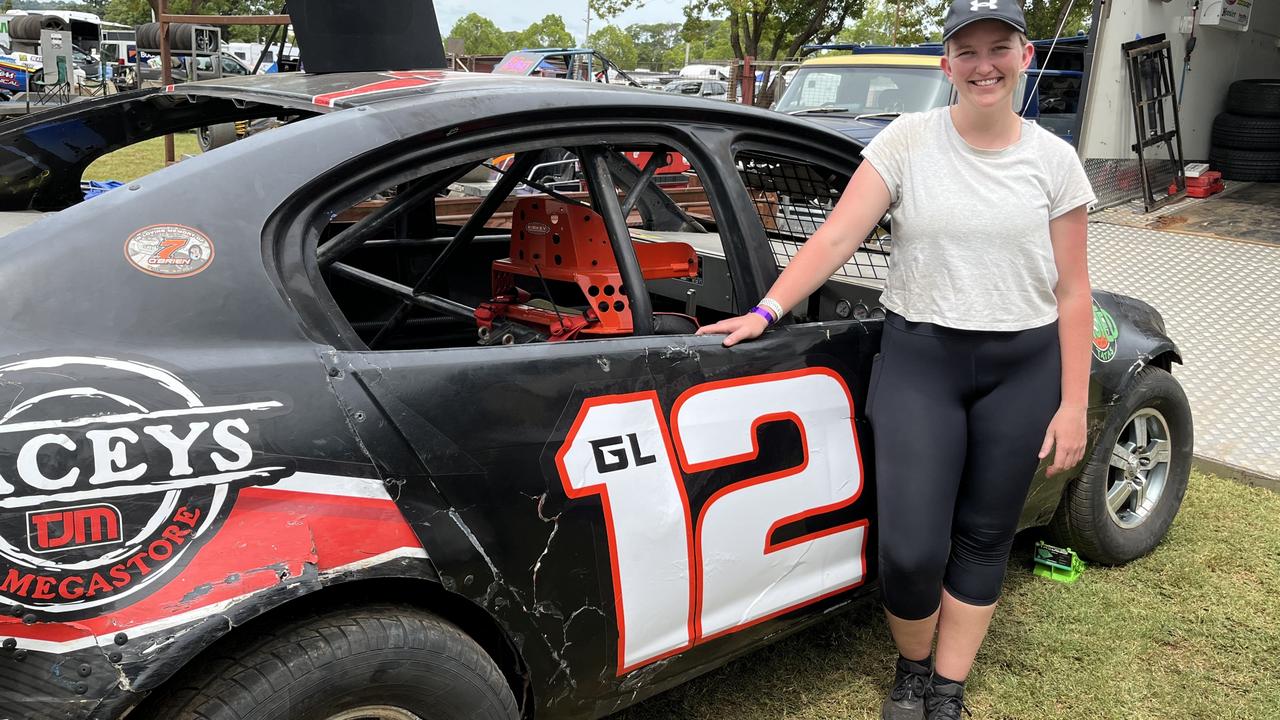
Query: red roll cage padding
point(556, 241)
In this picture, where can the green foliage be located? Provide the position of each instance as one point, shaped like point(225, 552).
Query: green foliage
point(896, 22)
point(481, 36)
point(710, 43)
point(615, 44)
point(547, 32)
point(128, 12)
point(772, 29)
point(137, 12)
point(1043, 16)
point(652, 42)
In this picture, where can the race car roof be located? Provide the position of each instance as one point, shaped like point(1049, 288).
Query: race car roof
point(345, 90)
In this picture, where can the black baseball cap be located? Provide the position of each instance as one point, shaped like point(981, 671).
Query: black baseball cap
point(966, 12)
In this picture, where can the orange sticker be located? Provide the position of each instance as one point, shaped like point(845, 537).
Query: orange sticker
point(170, 251)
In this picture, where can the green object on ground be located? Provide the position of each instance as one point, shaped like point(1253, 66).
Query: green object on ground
point(1055, 563)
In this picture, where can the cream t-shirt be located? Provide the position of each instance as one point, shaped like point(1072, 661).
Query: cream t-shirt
point(971, 245)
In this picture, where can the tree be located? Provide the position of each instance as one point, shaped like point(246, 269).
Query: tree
point(481, 36)
point(615, 44)
point(708, 41)
point(652, 42)
point(137, 12)
point(763, 29)
point(1043, 17)
point(547, 32)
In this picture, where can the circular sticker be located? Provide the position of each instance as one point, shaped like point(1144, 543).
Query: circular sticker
point(173, 251)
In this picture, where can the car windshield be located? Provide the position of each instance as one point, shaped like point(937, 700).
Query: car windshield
point(866, 89)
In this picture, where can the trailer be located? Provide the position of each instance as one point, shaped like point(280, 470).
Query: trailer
point(1204, 48)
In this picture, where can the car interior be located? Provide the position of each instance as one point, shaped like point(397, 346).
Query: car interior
point(518, 248)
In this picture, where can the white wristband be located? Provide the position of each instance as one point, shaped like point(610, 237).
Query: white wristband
point(773, 305)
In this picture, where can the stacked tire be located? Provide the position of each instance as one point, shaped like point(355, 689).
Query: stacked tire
point(28, 27)
point(1246, 138)
point(180, 36)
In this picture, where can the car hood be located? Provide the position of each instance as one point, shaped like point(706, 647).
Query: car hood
point(860, 130)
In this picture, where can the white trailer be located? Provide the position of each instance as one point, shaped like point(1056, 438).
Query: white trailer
point(1235, 40)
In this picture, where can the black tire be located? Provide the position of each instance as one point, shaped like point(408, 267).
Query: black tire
point(1259, 97)
point(1246, 133)
point(323, 665)
point(147, 36)
point(1235, 164)
point(25, 27)
point(215, 136)
point(1083, 521)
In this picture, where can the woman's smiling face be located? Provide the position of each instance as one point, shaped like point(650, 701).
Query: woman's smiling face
point(984, 61)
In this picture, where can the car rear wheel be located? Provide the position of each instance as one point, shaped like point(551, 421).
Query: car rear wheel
point(366, 663)
point(1124, 501)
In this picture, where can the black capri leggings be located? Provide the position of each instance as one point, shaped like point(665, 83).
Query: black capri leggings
point(958, 417)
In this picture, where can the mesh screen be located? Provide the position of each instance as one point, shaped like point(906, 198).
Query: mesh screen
point(793, 198)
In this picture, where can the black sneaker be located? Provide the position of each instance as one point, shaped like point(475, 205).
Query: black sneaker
point(944, 701)
point(906, 699)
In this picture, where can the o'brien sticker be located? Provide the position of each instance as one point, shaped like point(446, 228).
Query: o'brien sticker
point(112, 474)
point(173, 251)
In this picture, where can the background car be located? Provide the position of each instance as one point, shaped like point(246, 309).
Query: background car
point(324, 428)
point(714, 89)
point(230, 66)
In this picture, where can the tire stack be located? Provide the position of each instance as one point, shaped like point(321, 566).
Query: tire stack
point(1246, 138)
point(27, 27)
point(148, 37)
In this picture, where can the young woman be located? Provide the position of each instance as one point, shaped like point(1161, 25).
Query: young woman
point(984, 364)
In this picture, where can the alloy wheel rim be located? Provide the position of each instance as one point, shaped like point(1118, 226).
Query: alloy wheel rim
point(1138, 468)
point(375, 712)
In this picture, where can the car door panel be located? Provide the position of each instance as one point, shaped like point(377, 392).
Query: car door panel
point(512, 439)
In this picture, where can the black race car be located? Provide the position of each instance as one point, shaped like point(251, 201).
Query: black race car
point(291, 429)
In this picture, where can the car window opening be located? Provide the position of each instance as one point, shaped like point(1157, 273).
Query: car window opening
point(517, 248)
point(792, 199)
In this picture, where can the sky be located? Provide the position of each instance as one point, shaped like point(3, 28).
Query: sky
point(510, 15)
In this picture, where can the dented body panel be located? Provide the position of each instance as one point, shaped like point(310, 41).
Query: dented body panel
point(192, 446)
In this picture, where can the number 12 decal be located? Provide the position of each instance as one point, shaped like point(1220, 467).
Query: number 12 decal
point(677, 582)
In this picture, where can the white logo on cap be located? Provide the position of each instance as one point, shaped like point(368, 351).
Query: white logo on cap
point(977, 5)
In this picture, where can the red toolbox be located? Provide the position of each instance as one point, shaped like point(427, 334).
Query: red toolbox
point(1203, 186)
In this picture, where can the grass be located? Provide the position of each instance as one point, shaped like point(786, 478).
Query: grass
point(131, 163)
point(1191, 631)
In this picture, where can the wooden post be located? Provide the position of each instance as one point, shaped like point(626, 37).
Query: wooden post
point(166, 73)
point(748, 80)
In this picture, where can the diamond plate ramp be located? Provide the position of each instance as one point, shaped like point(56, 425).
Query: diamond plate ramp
point(1221, 304)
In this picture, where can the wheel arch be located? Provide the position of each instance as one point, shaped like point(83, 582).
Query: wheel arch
point(417, 591)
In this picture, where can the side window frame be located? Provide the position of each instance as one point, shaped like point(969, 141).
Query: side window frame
point(762, 250)
point(293, 235)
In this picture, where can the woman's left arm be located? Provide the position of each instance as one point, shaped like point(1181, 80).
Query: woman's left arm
point(1066, 433)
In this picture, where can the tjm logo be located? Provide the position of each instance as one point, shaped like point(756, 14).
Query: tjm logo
point(74, 527)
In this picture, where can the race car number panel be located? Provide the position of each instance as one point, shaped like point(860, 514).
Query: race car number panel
point(678, 583)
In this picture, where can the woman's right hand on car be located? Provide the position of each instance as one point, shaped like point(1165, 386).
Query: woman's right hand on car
point(743, 327)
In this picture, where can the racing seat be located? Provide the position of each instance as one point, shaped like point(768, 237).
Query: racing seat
point(556, 241)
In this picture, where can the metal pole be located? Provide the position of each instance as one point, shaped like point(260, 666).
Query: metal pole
point(586, 39)
point(688, 6)
point(166, 75)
